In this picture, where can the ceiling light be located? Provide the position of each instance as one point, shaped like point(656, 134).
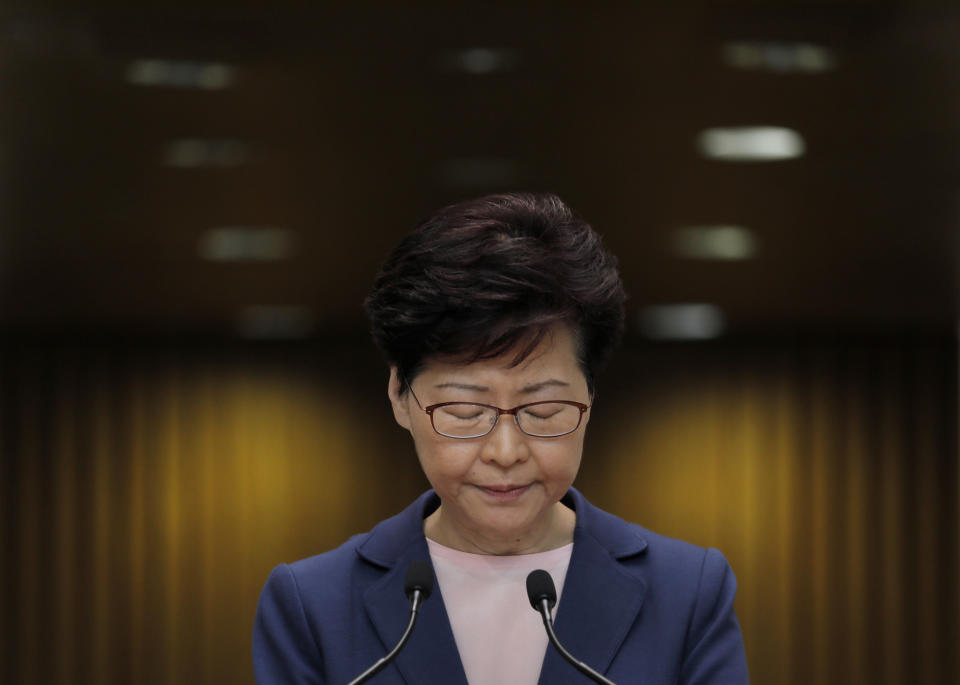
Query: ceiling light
point(284, 322)
point(198, 152)
point(751, 143)
point(779, 57)
point(180, 74)
point(479, 60)
point(246, 244)
point(713, 242)
point(682, 322)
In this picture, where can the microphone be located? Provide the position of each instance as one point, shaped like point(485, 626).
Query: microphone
point(417, 587)
point(543, 597)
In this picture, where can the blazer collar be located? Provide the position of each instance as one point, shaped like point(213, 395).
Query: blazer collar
point(601, 596)
point(431, 654)
point(600, 602)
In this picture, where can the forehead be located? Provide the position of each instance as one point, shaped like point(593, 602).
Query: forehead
point(555, 356)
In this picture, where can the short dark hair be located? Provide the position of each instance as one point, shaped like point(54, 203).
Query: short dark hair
point(476, 279)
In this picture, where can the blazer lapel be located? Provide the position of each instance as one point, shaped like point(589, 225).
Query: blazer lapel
point(600, 598)
point(431, 654)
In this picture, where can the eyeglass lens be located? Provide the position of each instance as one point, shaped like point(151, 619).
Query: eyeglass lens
point(544, 420)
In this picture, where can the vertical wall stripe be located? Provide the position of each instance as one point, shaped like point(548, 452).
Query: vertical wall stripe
point(7, 476)
point(783, 427)
point(890, 517)
point(745, 445)
point(30, 535)
point(136, 530)
point(928, 507)
point(101, 419)
point(65, 505)
point(172, 548)
point(208, 566)
point(819, 431)
point(855, 513)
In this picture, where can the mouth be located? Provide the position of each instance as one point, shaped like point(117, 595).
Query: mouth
point(504, 492)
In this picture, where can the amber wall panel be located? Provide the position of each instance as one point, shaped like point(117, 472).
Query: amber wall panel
point(147, 492)
point(827, 473)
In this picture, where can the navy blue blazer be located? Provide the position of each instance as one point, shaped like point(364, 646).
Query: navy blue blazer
point(636, 606)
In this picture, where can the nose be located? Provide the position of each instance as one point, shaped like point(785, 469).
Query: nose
point(506, 445)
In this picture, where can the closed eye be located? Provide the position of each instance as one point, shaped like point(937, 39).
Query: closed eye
point(541, 413)
point(464, 412)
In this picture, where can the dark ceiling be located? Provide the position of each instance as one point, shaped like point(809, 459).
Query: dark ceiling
point(355, 125)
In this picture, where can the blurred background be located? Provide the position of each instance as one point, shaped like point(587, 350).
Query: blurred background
point(194, 202)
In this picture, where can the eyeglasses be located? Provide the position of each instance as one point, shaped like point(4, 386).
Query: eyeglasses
point(466, 420)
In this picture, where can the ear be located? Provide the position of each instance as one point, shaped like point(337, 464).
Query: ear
point(400, 403)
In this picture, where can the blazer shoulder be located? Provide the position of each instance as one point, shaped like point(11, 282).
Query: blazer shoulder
point(378, 548)
point(327, 568)
point(668, 546)
point(678, 559)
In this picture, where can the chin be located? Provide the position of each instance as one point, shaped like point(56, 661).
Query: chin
point(508, 521)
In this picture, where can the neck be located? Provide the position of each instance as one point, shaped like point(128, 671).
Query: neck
point(556, 530)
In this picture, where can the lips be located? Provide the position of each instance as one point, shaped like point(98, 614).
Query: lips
point(504, 492)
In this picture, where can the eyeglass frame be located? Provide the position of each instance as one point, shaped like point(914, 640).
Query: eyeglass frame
point(500, 412)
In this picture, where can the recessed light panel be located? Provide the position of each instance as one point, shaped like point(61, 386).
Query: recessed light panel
point(682, 322)
point(246, 244)
point(479, 60)
point(180, 74)
point(714, 242)
point(751, 143)
point(199, 152)
point(778, 57)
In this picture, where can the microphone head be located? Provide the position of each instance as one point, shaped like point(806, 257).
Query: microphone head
point(419, 577)
point(540, 587)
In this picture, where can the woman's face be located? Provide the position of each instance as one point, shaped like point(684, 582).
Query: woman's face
point(502, 487)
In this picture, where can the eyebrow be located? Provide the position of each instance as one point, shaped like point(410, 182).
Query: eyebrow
point(533, 387)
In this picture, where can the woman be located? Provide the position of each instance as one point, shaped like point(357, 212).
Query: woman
point(495, 316)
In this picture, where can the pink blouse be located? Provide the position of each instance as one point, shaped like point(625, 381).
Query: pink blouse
point(501, 639)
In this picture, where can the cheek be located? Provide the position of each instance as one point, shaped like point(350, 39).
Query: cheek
point(443, 461)
point(561, 462)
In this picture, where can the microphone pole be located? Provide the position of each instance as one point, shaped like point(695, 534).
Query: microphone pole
point(543, 597)
point(417, 586)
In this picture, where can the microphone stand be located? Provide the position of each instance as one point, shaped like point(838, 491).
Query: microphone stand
point(415, 602)
point(544, 608)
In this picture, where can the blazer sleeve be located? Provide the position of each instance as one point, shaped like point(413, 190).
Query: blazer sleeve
point(284, 649)
point(714, 653)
